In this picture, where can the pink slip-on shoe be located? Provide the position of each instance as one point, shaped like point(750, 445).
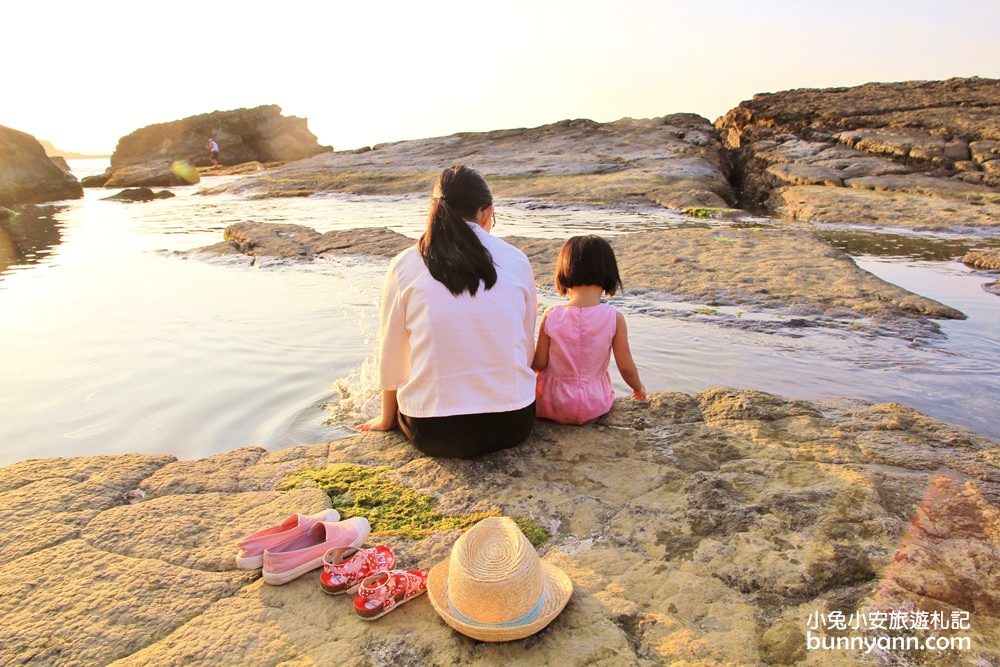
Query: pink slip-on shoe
point(382, 592)
point(251, 548)
point(344, 575)
point(302, 553)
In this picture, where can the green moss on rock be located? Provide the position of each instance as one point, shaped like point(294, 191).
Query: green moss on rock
point(709, 212)
point(392, 508)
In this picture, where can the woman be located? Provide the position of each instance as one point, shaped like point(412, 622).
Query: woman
point(457, 330)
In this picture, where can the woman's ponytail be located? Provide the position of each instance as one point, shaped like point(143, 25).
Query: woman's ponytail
point(450, 249)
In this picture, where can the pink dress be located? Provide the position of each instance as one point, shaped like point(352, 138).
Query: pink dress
point(576, 387)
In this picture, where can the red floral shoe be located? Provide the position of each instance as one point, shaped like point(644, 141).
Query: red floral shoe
point(381, 593)
point(344, 575)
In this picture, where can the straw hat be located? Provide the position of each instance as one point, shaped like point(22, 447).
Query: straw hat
point(495, 588)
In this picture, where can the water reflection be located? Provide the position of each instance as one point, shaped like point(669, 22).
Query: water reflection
point(193, 357)
point(911, 246)
point(28, 235)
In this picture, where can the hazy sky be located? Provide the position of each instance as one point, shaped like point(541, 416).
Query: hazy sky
point(84, 74)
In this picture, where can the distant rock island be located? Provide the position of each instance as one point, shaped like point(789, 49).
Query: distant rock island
point(52, 151)
point(149, 157)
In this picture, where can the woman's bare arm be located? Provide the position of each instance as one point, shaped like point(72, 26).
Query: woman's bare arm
point(386, 421)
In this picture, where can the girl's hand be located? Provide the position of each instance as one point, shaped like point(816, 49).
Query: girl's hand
point(640, 393)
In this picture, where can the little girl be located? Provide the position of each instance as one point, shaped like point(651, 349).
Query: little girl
point(575, 341)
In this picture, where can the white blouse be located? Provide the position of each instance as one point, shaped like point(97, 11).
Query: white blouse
point(448, 355)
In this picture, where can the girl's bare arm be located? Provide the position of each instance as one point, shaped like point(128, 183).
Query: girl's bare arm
point(541, 360)
point(623, 359)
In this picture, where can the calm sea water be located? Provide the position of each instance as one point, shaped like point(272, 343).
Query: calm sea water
point(111, 342)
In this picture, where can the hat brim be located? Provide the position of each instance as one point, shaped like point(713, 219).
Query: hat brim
point(558, 589)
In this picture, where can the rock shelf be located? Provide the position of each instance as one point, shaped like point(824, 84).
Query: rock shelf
point(781, 270)
point(697, 529)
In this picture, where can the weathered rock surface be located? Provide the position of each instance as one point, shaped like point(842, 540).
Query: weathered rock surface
point(146, 175)
point(240, 169)
point(28, 176)
point(987, 260)
point(264, 239)
point(917, 154)
point(786, 270)
point(139, 194)
point(697, 530)
point(262, 134)
point(922, 154)
point(674, 161)
point(60, 162)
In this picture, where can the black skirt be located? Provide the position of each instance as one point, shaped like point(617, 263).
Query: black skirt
point(468, 436)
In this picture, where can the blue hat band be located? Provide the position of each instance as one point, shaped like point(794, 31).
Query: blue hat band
point(525, 619)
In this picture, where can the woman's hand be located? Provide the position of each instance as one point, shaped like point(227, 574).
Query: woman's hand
point(640, 393)
point(377, 424)
point(386, 421)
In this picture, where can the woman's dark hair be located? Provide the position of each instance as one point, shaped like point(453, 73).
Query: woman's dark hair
point(449, 246)
point(587, 260)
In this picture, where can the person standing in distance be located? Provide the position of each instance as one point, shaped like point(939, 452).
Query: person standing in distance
point(214, 148)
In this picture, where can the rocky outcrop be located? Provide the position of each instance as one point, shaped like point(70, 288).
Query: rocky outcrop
point(789, 272)
point(150, 175)
point(924, 155)
point(240, 169)
point(706, 529)
point(986, 260)
point(921, 154)
point(60, 162)
point(139, 194)
point(674, 161)
point(277, 240)
point(27, 175)
point(262, 134)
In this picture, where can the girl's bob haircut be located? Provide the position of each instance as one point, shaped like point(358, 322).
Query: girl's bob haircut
point(587, 260)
